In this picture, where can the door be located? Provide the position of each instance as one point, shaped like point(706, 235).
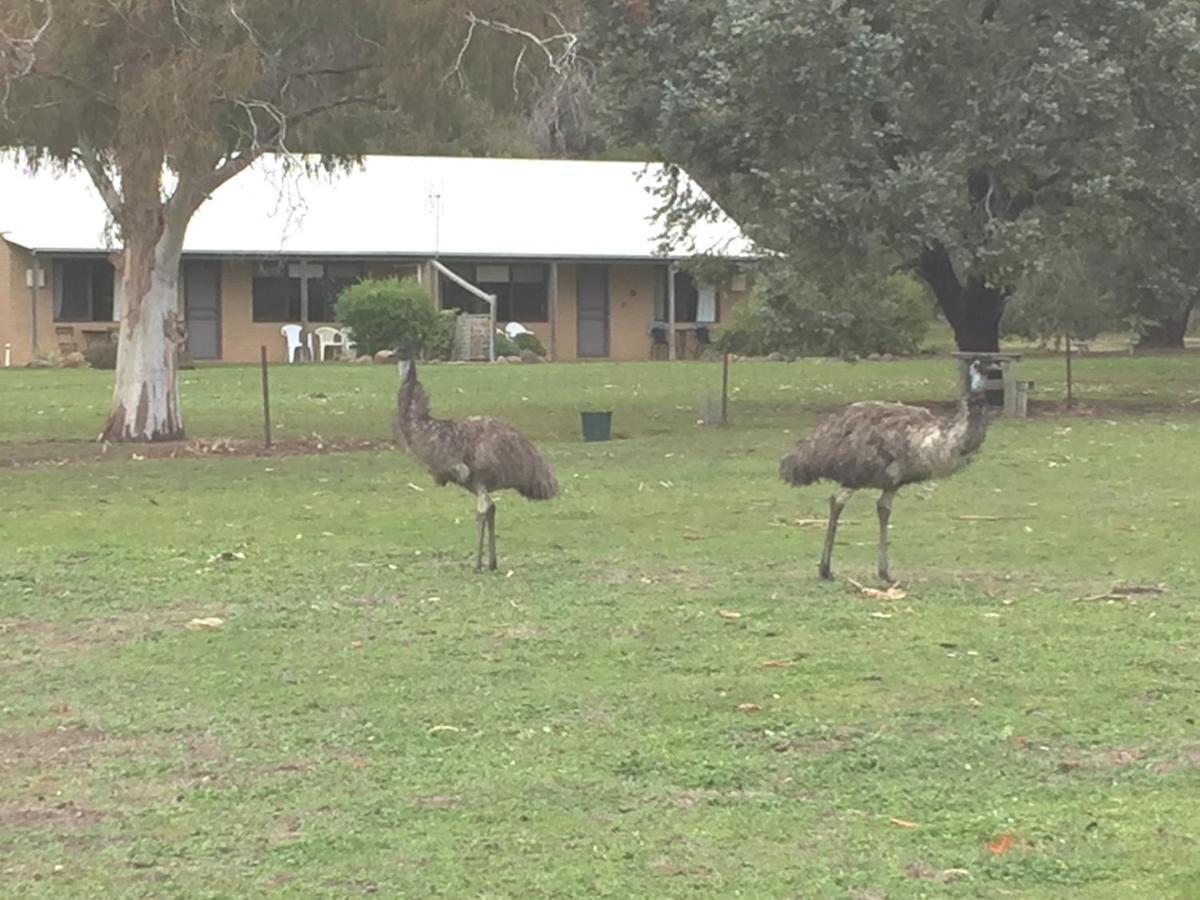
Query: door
point(591, 288)
point(202, 308)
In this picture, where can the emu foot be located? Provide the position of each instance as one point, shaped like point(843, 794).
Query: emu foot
point(825, 572)
point(492, 566)
point(885, 577)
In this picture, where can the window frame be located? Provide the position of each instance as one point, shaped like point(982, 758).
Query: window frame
point(325, 309)
point(94, 266)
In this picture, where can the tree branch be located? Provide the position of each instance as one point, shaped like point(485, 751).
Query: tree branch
point(18, 57)
point(90, 159)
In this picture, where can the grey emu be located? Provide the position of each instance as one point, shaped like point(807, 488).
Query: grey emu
point(885, 446)
point(481, 454)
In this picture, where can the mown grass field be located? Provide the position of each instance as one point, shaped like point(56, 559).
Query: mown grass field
point(372, 718)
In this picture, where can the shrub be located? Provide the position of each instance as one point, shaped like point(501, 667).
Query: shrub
point(504, 346)
point(391, 314)
point(529, 341)
point(864, 314)
point(441, 343)
point(102, 355)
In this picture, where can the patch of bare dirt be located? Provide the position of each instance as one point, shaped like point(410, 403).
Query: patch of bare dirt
point(837, 740)
point(1184, 758)
point(1100, 760)
point(63, 453)
point(16, 815)
point(679, 576)
point(667, 867)
point(54, 746)
point(63, 639)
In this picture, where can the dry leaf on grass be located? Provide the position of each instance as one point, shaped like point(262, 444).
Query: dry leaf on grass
point(892, 593)
point(748, 707)
point(904, 823)
point(777, 664)
point(1002, 844)
point(200, 624)
point(879, 615)
point(440, 729)
point(980, 518)
point(728, 614)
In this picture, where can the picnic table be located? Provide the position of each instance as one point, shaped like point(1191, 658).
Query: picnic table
point(1000, 377)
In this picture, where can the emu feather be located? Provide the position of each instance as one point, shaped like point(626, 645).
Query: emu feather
point(481, 454)
point(885, 446)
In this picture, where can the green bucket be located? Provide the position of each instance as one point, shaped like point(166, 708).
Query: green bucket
point(597, 426)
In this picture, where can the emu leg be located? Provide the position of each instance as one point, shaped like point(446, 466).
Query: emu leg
point(491, 520)
point(482, 503)
point(884, 508)
point(836, 503)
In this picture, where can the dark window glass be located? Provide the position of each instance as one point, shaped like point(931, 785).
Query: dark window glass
point(83, 290)
point(520, 290)
point(276, 290)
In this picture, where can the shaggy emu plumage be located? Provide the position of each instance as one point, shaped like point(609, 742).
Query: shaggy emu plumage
point(481, 454)
point(885, 446)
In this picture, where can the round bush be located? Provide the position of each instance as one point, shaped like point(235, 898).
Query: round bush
point(392, 314)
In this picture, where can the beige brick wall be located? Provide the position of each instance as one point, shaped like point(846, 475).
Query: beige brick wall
point(631, 307)
point(15, 320)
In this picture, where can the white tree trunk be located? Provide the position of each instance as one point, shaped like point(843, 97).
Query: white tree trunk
point(145, 404)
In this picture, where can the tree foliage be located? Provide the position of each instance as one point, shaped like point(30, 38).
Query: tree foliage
point(952, 134)
point(861, 313)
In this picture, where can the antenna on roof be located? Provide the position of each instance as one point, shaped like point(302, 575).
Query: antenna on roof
point(433, 194)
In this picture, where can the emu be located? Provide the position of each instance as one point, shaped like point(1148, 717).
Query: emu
point(481, 454)
point(885, 446)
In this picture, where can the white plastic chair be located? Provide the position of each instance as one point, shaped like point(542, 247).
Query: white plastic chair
point(512, 329)
point(329, 337)
point(294, 345)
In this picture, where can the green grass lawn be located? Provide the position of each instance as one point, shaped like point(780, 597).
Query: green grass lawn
point(372, 718)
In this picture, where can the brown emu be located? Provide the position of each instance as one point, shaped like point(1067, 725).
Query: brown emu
point(481, 454)
point(885, 446)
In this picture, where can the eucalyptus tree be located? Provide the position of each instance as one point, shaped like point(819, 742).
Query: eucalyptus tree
point(163, 101)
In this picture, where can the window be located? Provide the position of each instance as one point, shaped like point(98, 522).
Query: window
point(521, 291)
point(693, 303)
point(276, 289)
point(83, 290)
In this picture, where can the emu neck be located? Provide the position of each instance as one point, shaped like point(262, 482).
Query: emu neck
point(413, 407)
point(968, 428)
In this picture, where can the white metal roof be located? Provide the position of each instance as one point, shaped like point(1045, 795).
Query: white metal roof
point(395, 205)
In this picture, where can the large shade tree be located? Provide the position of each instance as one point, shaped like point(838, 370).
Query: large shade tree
point(162, 101)
point(948, 134)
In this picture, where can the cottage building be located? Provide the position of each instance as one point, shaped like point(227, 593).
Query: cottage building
point(571, 250)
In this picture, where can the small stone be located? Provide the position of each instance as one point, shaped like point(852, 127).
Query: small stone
point(528, 356)
point(386, 356)
point(362, 359)
point(775, 357)
point(74, 360)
